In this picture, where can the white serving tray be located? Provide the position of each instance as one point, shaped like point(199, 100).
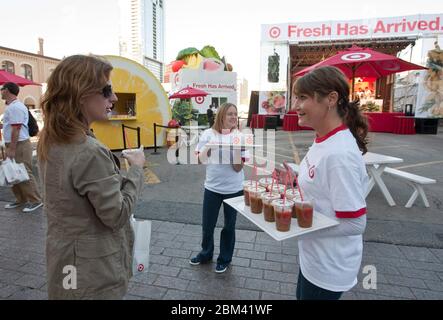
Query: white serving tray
point(319, 221)
point(228, 145)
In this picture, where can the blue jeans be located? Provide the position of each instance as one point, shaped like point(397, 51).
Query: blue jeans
point(212, 202)
point(309, 291)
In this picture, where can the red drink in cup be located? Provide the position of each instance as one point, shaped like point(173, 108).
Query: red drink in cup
point(293, 195)
point(283, 214)
point(305, 212)
point(255, 199)
point(268, 209)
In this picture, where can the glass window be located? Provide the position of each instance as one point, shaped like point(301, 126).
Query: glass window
point(27, 71)
point(8, 66)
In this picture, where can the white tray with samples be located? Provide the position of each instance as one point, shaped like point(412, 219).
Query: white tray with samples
point(319, 221)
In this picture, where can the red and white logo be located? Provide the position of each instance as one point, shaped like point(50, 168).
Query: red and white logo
point(356, 56)
point(312, 172)
point(140, 267)
point(274, 32)
point(200, 100)
point(176, 79)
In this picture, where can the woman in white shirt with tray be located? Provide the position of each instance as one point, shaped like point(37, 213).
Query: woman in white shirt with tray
point(333, 174)
point(224, 180)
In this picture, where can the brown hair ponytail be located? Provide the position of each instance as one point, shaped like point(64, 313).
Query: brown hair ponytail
point(323, 81)
point(355, 121)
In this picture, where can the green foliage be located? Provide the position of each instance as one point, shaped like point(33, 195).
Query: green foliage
point(209, 52)
point(202, 119)
point(186, 52)
point(370, 106)
point(183, 112)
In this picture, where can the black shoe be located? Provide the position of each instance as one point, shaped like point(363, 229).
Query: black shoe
point(197, 260)
point(221, 267)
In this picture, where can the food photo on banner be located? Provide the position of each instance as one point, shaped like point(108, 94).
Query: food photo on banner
point(272, 102)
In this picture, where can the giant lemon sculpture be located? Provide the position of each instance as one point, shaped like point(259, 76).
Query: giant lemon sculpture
point(142, 102)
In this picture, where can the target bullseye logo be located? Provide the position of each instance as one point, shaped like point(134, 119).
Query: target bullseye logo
point(176, 79)
point(356, 56)
point(140, 267)
point(200, 100)
point(275, 32)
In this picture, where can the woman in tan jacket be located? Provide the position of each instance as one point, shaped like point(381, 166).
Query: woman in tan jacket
point(87, 201)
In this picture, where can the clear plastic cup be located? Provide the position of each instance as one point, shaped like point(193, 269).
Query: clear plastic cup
point(294, 195)
point(277, 188)
point(255, 199)
point(265, 182)
point(305, 211)
point(283, 214)
point(246, 185)
point(268, 209)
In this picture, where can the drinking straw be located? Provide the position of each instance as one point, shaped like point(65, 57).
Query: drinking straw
point(272, 184)
point(255, 175)
point(286, 185)
point(290, 179)
point(298, 187)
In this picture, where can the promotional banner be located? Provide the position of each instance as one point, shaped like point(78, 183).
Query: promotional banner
point(221, 86)
point(426, 24)
point(274, 67)
point(272, 102)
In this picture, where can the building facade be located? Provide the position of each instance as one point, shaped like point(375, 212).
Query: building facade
point(33, 66)
point(142, 36)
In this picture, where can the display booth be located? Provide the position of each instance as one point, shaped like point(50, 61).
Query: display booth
point(141, 103)
point(288, 48)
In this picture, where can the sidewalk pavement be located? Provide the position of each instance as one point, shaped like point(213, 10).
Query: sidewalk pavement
point(262, 268)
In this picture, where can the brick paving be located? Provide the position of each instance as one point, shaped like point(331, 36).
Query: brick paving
point(262, 269)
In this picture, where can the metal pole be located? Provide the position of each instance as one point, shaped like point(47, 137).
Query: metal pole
point(155, 139)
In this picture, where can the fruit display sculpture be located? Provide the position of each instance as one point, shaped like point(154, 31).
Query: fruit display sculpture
point(205, 59)
point(434, 83)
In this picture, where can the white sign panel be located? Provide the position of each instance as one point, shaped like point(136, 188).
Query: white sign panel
point(359, 29)
point(221, 86)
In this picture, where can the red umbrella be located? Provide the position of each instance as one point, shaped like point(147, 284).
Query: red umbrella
point(364, 62)
point(188, 93)
point(10, 77)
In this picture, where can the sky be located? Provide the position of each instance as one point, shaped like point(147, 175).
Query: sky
point(231, 26)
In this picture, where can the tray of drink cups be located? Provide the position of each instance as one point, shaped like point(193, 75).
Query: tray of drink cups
point(280, 218)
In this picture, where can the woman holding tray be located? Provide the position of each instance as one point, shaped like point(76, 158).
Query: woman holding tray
point(224, 180)
point(333, 174)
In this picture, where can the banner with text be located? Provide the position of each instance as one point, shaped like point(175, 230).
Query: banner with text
point(221, 86)
point(425, 24)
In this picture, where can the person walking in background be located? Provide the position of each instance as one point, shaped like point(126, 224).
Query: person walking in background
point(333, 174)
point(19, 147)
point(210, 116)
point(224, 180)
point(88, 202)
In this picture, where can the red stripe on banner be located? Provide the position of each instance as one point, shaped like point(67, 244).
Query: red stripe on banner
point(350, 214)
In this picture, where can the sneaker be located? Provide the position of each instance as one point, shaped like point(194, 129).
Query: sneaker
point(13, 205)
point(197, 260)
point(220, 268)
point(32, 206)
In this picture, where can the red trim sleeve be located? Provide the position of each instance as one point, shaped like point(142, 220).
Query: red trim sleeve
point(350, 214)
point(16, 125)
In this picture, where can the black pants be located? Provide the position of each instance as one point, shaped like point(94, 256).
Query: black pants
point(212, 202)
point(309, 291)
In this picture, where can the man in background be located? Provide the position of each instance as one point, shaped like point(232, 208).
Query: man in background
point(18, 147)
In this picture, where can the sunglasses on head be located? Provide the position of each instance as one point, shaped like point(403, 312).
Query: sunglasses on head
point(107, 91)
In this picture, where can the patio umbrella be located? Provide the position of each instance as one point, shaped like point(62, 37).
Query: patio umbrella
point(363, 62)
point(188, 93)
point(20, 81)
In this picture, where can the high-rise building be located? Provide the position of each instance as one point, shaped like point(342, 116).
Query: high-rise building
point(142, 33)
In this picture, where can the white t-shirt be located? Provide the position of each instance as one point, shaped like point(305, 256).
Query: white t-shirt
point(220, 175)
point(333, 174)
point(15, 113)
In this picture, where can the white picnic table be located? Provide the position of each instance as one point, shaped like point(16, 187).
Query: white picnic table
point(376, 164)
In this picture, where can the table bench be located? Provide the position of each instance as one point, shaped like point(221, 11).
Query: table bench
point(415, 181)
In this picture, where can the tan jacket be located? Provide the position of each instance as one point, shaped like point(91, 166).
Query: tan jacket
point(88, 203)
